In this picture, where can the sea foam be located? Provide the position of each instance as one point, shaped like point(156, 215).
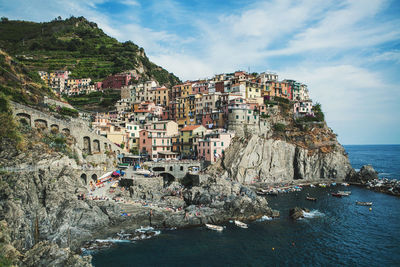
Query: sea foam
point(313, 214)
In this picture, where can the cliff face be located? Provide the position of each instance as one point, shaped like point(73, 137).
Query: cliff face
point(270, 161)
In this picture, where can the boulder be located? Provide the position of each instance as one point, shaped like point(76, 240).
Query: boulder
point(297, 213)
point(367, 173)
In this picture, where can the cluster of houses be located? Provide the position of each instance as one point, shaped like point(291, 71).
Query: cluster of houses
point(62, 84)
point(195, 119)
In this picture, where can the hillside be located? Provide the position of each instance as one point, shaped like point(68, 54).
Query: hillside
point(77, 45)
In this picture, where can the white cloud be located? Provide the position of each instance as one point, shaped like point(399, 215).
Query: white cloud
point(130, 3)
point(322, 43)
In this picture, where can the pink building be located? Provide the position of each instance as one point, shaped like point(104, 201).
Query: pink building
point(156, 139)
point(213, 146)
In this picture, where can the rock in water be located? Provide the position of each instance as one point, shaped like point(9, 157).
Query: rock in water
point(297, 213)
point(367, 173)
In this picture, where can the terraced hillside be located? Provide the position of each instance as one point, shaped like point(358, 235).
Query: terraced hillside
point(77, 45)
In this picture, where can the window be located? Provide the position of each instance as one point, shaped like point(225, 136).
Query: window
point(135, 128)
point(154, 141)
point(222, 143)
point(215, 151)
point(171, 169)
point(133, 134)
point(215, 143)
point(134, 141)
point(237, 117)
point(181, 168)
point(144, 141)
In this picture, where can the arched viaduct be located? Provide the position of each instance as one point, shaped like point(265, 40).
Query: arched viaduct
point(86, 139)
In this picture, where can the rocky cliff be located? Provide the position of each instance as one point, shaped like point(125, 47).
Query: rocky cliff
point(271, 161)
point(44, 223)
point(284, 150)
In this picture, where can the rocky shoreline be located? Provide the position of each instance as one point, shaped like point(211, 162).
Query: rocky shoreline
point(367, 177)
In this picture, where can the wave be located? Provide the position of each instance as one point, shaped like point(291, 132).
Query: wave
point(264, 218)
point(313, 214)
point(112, 241)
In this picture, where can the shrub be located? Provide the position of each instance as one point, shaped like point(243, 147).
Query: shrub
point(68, 112)
point(279, 127)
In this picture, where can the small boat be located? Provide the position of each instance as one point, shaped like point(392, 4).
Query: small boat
point(241, 224)
point(345, 184)
point(336, 195)
point(311, 185)
point(214, 227)
point(333, 184)
point(311, 198)
point(344, 193)
point(322, 185)
point(363, 203)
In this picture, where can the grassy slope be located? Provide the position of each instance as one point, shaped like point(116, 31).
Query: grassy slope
point(77, 45)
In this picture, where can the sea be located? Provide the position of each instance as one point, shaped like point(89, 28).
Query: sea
point(336, 232)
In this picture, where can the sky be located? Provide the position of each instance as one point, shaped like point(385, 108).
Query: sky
point(347, 52)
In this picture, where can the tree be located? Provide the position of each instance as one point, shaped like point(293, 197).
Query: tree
point(4, 19)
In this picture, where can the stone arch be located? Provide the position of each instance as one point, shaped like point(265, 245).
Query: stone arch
point(40, 124)
point(54, 128)
point(66, 131)
point(159, 169)
point(84, 178)
point(24, 116)
point(86, 145)
point(94, 177)
point(96, 145)
point(167, 178)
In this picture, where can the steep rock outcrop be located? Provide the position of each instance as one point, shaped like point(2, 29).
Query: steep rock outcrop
point(258, 159)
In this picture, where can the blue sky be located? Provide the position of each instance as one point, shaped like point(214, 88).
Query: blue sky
point(348, 52)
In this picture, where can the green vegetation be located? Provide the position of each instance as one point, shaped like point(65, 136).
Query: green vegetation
point(19, 84)
point(318, 115)
point(68, 112)
point(9, 128)
point(134, 151)
point(279, 127)
point(265, 116)
point(56, 141)
point(77, 45)
point(94, 100)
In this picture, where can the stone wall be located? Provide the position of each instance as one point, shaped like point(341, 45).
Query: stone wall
point(86, 139)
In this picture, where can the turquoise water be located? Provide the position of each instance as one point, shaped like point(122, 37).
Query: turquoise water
point(337, 232)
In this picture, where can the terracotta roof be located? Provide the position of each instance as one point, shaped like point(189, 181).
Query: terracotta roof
point(190, 128)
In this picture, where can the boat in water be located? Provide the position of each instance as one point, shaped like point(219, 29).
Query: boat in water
point(214, 227)
point(363, 203)
point(344, 193)
point(345, 184)
point(322, 185)
point(336, 195)
point(241, 224)
point(311, 198)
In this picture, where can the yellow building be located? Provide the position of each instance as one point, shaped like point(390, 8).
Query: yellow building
point(161, 96)
point(189, 138)
point(253, 90)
